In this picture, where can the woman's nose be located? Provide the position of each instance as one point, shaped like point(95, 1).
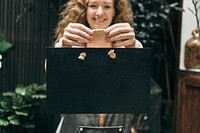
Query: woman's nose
point(99, 11)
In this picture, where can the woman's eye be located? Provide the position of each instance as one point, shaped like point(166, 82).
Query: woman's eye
point(93, 6)
point(107, 7)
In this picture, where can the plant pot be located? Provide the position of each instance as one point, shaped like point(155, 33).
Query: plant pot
point(192, 50)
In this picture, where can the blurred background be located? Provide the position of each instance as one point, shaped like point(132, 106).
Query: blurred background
point(27, 28)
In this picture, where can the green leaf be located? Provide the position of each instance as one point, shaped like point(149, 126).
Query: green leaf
point(4, 122)
point(4, 104)
point(21, 91)
point(8, 94)
point(42, 87)
point(22, 113)
point(1, 110)
point(11, 117)
point(39, 96)
point(6, 110)
point(5, 46)
point(27, 105)
point(14, 121)
point(174, 4)
point(179, 9)
point(167, 11)
point(28, 125)
point(22, 106)
point(163, 16)
point(16, 107)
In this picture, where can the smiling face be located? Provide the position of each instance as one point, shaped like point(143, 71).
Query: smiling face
point(100, 13)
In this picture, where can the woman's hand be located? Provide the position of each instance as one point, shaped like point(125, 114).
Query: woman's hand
point(75, 34)
point(122, 34)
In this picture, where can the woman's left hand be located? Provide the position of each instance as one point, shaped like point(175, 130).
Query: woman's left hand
point(121, 33)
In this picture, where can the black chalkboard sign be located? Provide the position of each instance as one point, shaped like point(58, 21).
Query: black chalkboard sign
point(99, 83)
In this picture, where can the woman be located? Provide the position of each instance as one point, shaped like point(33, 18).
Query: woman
point(80, 17)
point(79, 20)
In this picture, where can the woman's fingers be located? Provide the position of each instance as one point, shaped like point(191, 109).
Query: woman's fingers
point(116, 26)
point(120, 31)
point(126, 43)
point(76, 34)
point(122, 34)
point(81, 27)
point(70, 43)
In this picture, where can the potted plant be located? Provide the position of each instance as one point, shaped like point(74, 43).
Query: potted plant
point(18, 108)
point(192, 47)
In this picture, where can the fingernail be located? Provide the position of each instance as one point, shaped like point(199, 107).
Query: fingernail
point(91, 33)
point(106, 31)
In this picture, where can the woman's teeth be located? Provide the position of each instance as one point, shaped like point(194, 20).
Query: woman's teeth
point(99, 20)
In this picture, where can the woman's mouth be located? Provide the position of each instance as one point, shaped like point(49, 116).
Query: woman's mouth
point(99, 20)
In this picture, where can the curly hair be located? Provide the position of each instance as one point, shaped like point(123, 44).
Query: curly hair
point(74, 11)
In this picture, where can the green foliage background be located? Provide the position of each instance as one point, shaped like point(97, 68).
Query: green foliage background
point(18, 108)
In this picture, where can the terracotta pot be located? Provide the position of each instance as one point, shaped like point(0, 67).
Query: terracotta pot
point(192, 50)
point(99, 40)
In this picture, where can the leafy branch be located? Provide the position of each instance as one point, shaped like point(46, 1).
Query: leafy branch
point(195, 12)
point(26, 7)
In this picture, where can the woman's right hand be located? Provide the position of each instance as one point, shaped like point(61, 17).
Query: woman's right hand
point(75, 34)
